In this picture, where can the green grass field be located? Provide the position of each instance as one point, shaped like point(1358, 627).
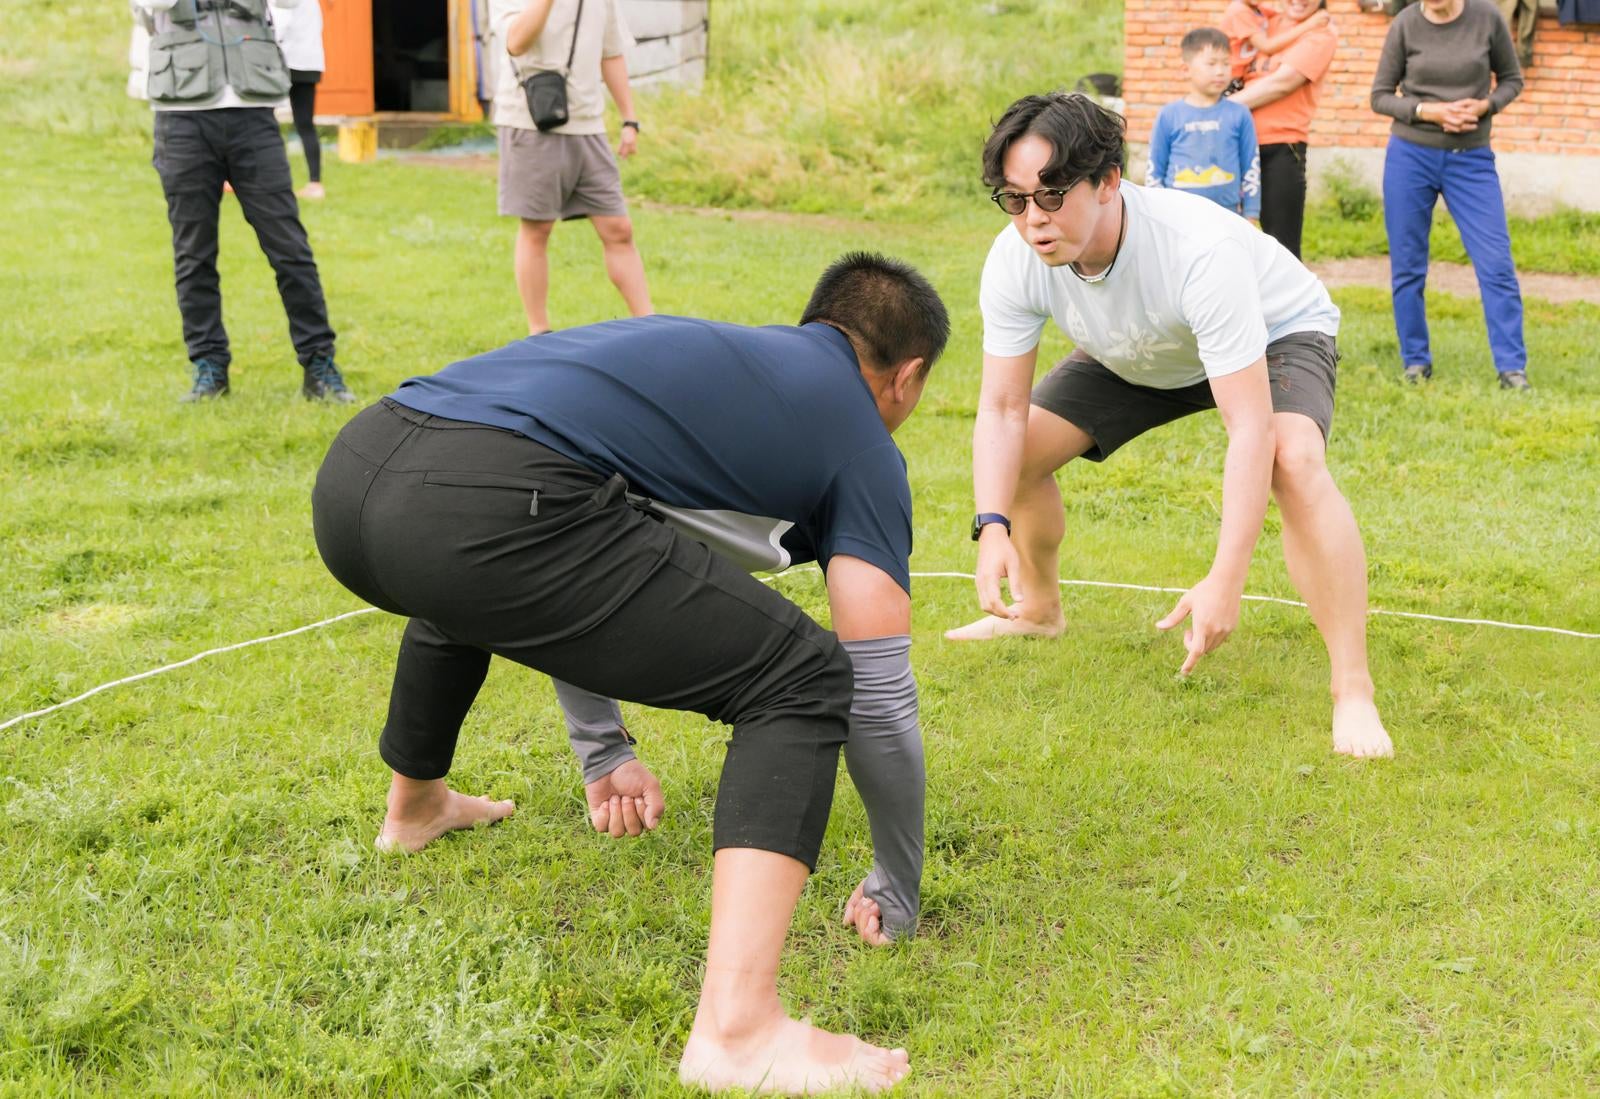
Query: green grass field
point(1136, 885)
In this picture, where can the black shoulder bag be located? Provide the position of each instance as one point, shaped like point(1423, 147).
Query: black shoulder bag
point(547, 90)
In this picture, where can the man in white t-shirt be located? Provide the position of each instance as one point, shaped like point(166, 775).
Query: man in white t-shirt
point(1176, 306)
point(567, 171)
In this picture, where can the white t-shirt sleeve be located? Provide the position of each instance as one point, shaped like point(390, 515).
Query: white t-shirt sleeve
point(1222, 305)
point(1012, 318)
point(501, 13)
point(618, 39)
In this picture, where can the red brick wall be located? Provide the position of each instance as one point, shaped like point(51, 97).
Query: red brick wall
point(1557, 112)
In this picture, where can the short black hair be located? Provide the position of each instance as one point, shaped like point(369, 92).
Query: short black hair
point(887, 308)
point(1203, 38)
point(1086, 139)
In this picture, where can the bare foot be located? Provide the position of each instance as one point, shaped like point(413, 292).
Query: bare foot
point(420, 812)
point(990, 627)
point(1358, 730)
point(790, 1057)
point(312, 190)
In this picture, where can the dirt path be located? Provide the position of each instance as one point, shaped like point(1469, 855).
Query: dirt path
point(1456, 278)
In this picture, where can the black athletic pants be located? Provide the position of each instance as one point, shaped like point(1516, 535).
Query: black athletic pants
point(1283, 193)
point(195, 151)
point(302, 105)
point(492, 543)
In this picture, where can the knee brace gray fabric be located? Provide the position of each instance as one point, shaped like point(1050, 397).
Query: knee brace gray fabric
point(594, 728)
point(884, 755)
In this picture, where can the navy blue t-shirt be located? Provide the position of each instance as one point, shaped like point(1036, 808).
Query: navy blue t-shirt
point(764, 443)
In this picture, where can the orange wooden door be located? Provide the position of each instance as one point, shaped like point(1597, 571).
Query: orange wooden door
point(346, 86)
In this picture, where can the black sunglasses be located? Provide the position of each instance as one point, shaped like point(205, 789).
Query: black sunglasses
point(1048, 199)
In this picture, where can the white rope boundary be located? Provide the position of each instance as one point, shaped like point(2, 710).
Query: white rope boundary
point(1492, 623)
point(91, 692)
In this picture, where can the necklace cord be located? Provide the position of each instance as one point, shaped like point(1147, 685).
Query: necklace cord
point(1122, 232)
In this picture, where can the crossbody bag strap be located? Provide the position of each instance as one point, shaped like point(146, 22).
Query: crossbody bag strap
point(516, 69)
point(573, 50)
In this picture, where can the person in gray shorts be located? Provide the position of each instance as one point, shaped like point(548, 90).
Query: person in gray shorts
point(567, 171)
point(1176, 305)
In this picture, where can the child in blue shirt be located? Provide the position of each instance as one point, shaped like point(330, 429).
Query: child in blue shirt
point(1203, 142)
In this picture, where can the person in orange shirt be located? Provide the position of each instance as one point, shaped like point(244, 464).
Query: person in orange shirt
point(1283, 100)
point(1250, 41)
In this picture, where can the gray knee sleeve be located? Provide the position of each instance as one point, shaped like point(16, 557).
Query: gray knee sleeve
point(884, 755)
point(594, 728)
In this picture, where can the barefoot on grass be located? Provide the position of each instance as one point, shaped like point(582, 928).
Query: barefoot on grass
point(789, 1057)
point(1358, 731)
point(990, 627)
point(412, 827)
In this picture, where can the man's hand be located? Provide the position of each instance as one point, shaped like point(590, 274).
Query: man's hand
point(1320, 19)
point(862, 911)
point(997, 560)
point(1213, 610)
point(628, 801)
point(628, 142)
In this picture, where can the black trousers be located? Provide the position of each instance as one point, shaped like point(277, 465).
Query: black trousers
point(1283, 193)
point(303, 105)
point(195, 151)
point(493, 544)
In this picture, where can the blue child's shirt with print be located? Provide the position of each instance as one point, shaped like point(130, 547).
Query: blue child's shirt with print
point(1210, 151)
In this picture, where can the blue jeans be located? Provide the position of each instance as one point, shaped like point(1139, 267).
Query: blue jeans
point(1414, 176)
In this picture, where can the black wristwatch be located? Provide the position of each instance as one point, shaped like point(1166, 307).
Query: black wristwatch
point(636, 127)
point(984, 518)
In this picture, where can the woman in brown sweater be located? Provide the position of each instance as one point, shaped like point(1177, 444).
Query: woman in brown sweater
point(1434, 80)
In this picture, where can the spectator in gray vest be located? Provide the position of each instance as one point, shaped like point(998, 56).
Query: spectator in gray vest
point(215, 74)
point(566, 171)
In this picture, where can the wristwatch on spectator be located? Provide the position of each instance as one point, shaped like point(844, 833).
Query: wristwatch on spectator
point(1416, 113)
point(631, 122)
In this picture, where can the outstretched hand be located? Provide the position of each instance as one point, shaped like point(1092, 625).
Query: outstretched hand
point(627, 802)
point(997, 560)
point(1213, 611)
point(862, 911)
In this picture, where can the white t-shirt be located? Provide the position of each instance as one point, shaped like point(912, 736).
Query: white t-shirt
point(1196, 292)
point(603, 33)
point(299, 28)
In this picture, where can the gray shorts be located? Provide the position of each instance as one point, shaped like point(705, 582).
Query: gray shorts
point(1302, 369)
point(552, 177)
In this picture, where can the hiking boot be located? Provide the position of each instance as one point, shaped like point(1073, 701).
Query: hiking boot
point(1514, 379)
point(210, 380)
point(325, 383)
point(1418, 374)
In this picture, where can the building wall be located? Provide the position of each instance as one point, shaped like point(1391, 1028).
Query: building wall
point(673, 37)
point(1548, 140)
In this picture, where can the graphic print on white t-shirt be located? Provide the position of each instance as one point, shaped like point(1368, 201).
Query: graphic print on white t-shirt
point(1139, 345)
point(1195, 292)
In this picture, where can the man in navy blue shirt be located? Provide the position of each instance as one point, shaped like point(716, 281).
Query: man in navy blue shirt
point(586, 503)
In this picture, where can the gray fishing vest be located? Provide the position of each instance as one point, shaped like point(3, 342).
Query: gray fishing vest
point(199, 46)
